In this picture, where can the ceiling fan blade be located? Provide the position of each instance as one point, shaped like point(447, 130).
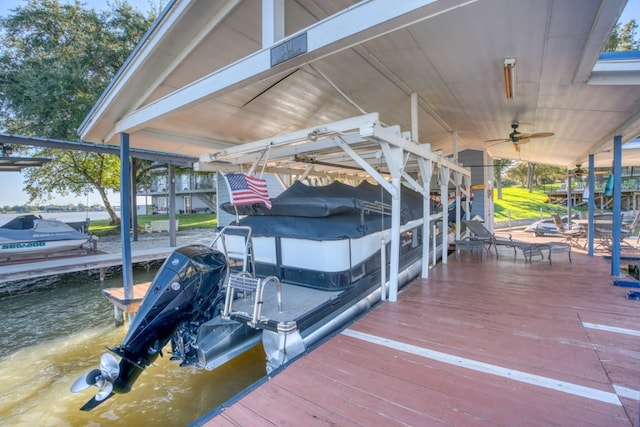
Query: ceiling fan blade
point(498, 140)
point(522, 141)
point(540, 135)
point(517, 147)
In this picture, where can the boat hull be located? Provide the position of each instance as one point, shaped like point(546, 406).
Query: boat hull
point(39, 246)
point(328, 264)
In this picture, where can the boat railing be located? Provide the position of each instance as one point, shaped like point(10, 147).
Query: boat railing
point(234, 252)
point(243, 283)
point(254, 286)
point(376, 207)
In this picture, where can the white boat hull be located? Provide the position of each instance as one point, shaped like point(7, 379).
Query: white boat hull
point(39, 246)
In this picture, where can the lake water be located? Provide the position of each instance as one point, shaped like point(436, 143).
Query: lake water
point(62, 216)
point(49, 337)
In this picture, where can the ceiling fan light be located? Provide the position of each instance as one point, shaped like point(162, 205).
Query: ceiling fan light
point(509, 77)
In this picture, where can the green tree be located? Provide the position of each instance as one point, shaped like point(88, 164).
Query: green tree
point(55, 61)
point(518, 173)
point(623, 37)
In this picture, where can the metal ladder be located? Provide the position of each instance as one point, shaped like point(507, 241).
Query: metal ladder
point(244, 281)
point(237, 254)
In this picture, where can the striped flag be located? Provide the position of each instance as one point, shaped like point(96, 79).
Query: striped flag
point(247, 190)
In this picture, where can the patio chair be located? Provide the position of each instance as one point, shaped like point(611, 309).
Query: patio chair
point(480, 232)
point(628, 231)
point(572, 236)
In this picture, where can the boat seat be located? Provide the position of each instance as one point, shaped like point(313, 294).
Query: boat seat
point(247, 284)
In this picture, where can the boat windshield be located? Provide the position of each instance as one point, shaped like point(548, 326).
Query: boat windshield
point(22, 222)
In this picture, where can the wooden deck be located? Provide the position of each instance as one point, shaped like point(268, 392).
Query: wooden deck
point(49, 266)
point(117, 298)
point(497, 342)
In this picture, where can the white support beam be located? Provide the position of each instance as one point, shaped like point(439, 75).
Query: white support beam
point(357, 24)
point(426, 170)
point(368, 168)
point(414, 117)
point(301, 148)
point(272, 22)
point(457, 179)
point(415, 149)
point(338, 127)
point(394, 158)
point(454, 144)
point(608, 12)
point(444, 201)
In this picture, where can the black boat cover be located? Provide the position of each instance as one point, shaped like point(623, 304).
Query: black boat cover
point(330, 212)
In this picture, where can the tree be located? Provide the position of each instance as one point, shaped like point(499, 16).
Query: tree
point(55, 61)
point(499, 167)
point(623, 37)
point(532, 178)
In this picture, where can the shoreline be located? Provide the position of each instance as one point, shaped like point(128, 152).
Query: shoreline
point(113, 244)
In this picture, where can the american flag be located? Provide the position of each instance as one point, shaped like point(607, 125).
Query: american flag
point(246, 190)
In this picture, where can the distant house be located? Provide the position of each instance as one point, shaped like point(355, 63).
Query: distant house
point(195, 193)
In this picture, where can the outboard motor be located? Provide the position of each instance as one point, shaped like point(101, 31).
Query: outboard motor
point(187, 288)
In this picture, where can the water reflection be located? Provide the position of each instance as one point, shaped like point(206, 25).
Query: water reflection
point(50, 337)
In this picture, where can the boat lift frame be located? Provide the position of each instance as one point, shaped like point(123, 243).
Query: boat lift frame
point(362, 148)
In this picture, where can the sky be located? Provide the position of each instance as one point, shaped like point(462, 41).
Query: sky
point(11, 182)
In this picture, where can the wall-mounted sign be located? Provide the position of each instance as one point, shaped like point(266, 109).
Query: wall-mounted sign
point(289, 49)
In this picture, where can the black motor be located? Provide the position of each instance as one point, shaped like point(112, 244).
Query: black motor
point(187, 288)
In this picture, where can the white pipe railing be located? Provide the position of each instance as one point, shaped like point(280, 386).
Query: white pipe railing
point(383, 270)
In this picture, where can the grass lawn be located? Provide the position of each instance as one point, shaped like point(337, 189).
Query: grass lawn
point(519, 201)
point(524, 205)
point(199, 221)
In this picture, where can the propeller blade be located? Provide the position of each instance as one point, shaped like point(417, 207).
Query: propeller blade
point(109, 367)
point(86, 381)
point(104, 392)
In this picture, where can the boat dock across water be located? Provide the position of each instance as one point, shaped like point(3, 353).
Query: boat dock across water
point(42, 267)
point(106, 253)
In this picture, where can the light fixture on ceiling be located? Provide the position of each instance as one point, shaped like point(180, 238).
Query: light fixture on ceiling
point(509, 77)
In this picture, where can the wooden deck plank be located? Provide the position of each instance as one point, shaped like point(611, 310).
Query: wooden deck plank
point(30, 270)
point(117, 298)
point(533, 318)
point(478, 395)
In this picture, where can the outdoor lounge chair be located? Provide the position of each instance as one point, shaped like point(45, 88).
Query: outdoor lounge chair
point(628, 231)
point(572, 236)
point(480, 232)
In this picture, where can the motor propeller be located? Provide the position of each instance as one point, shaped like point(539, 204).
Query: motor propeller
point(102, 378)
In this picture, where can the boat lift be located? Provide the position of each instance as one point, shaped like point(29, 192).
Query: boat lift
point(358, 148)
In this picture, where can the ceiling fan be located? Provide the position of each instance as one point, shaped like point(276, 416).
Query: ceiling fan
point(579, 172)
point(518, 138)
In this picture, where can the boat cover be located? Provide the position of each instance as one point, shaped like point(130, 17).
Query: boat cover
point(331, 212)
point(27, 228)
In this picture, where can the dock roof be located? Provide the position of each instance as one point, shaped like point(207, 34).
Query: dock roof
point(207, 77)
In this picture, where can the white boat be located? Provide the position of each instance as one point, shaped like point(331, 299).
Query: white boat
point(286, 276)
point(31, 234)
